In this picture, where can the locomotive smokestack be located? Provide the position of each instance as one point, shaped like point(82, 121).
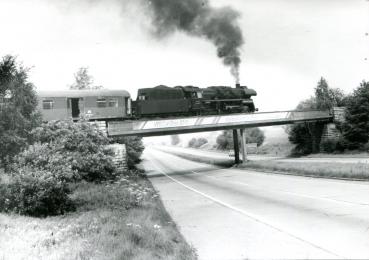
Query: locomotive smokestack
point(238, 85)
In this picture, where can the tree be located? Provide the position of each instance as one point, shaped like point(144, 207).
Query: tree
point(18, 102)
point(174, 139)
point(326, 97)
point(83, 80)
point(356, 127)
point(253, 135)
point(197, 142)
point(306, 136)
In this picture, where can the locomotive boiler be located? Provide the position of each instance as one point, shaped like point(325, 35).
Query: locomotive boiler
point(163, 101)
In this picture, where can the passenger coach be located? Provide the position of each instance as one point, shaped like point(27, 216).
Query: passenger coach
point(95, 104)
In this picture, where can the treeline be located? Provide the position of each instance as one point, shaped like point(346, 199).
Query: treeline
point(354, 131)
point(224, 141)
point(253, 135)
point(43, 160)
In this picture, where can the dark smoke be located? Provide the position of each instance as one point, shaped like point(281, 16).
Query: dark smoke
point(198, 18)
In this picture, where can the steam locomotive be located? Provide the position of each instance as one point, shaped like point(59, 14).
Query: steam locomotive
point(160, 101)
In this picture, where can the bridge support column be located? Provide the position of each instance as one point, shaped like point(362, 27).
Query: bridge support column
point(236, 147)
point(243, 145)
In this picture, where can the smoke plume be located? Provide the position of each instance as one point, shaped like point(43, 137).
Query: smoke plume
point(198, 18)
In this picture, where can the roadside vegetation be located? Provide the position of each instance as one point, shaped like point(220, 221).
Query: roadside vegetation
point(197, 142)
point(253, 135)
point(121, 219)
point(358, 171)
point(61, 196)
point(354, 131)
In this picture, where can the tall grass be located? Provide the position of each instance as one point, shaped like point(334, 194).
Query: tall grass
point(121, 220)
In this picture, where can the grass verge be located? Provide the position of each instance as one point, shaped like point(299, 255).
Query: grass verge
point(352, 171)
point(114, 220)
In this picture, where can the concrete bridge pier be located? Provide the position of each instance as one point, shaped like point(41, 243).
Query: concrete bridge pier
point(236, 147)
point(243, 145)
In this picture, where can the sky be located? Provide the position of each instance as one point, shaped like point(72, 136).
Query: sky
point(289, 45)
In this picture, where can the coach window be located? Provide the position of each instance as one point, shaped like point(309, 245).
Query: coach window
point(47, 104)
point(101, 102)
point(113, 102)
point(142, 97)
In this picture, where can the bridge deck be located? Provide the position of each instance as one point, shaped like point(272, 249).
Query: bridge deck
point(213, 123)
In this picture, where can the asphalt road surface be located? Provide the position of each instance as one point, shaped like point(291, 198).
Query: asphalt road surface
point(239, 214)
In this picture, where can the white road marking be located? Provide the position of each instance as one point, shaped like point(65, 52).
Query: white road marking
point(243, 212)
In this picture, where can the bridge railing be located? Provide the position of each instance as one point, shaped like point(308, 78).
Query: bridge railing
point(213, 122)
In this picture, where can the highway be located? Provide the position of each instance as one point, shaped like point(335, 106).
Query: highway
point(239, 214)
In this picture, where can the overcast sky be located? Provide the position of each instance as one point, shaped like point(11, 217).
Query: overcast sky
point(289, 45)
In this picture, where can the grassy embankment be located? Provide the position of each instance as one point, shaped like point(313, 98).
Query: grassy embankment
point(102, 227)
point(359, 171)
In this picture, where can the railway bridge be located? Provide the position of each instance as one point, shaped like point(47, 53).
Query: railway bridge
point(236, 122)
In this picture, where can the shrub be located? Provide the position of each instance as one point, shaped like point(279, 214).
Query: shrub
point(341, 144)
point(196, 143)
point(35, 192)
point(80, 146)
point(192, 142)
point(48, 158)
point(329, 145)
point(253, 135)
point(174, 139)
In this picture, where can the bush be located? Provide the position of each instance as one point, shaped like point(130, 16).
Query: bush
point(366, 147)
point(192, 142)
point(341, 145)
point(80, 146)
point(329, 145)
point(197, 143)
point(47, 158)
point(63, 152)
point(35, 192)
point(174, 139)
point(253, 135)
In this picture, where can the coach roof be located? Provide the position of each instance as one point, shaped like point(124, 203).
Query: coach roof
point(84, 93)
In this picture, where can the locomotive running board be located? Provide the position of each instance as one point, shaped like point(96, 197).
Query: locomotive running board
point(213, 123)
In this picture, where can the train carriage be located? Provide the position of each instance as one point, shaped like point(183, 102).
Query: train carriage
point(95, 104)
